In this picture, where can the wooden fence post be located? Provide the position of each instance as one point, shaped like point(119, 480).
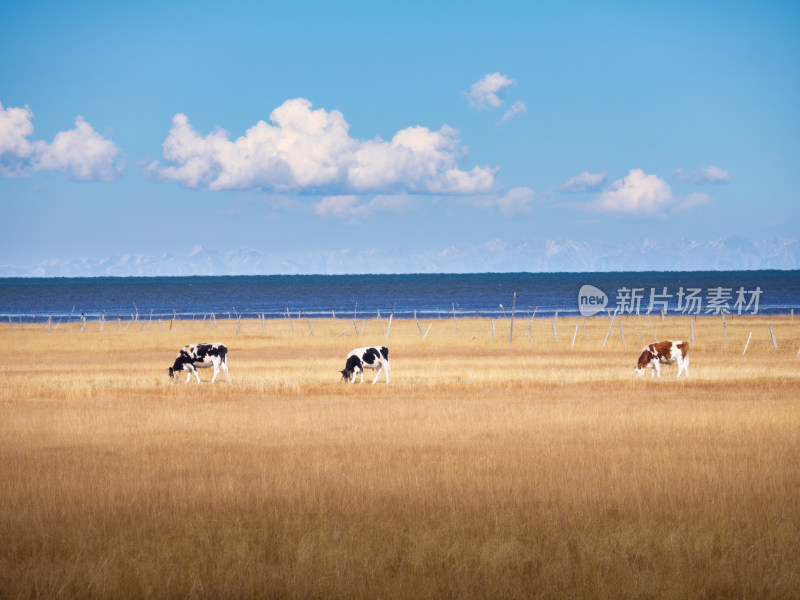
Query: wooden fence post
point(513, 307)
point(725, 328)
point(427, 330)
point(389, 327)
point(609, 328)
point(530, 336)
point(772, 335)
point(747, 343)
point(574, 335)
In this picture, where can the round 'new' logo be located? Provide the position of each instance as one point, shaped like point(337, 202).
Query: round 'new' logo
point(591, 300)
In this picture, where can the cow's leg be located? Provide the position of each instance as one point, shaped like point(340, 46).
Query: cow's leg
point(657, 368)
point(225, 368)
point(683, 366)
point(191, 370)
point(215, 363)
point(377, 374)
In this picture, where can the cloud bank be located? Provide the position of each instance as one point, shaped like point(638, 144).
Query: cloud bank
point(352, 209)
point(712, 175)
point(311, 151)
point(81, 152)
point(585, 182)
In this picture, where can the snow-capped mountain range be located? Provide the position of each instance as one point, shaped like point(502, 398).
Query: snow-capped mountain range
point(543, 255)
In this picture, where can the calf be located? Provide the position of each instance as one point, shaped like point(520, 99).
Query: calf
point(200, 356)
point(366, 358)
point(667, 352)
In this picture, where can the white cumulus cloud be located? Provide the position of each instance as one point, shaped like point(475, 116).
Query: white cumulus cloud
point(636, 194)
point(640, 194)
point(81, 152)
point(488, 91)
point(16, 125)
point(310, 150)
point(585, 182)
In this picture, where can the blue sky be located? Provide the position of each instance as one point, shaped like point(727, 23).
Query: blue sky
point(155, 127)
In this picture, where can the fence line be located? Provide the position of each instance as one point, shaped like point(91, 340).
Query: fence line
point(143, 320)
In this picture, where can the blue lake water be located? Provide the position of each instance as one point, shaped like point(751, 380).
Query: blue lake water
point(484, 294)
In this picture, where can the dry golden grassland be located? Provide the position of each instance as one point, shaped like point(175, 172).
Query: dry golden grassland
point(524, 469)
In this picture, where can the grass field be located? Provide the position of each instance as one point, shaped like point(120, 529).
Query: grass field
point(532, 468)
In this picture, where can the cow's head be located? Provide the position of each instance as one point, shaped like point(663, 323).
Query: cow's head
point(351, 368)
point(173, 374)
point(641, 365)
point(349, 372)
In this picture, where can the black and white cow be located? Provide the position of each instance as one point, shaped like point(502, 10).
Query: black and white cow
point(200, 356)
point(664, 353)
point(372, 357)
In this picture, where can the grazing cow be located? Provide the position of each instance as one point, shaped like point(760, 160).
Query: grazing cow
point(667, 352)
point(200, 356)
point(366, 358)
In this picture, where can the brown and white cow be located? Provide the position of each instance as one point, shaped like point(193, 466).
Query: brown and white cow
point(667, 352)
point(200, 356)
point(371, 357)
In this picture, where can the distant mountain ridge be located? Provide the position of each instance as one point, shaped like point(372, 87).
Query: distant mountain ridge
point(542, 255)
